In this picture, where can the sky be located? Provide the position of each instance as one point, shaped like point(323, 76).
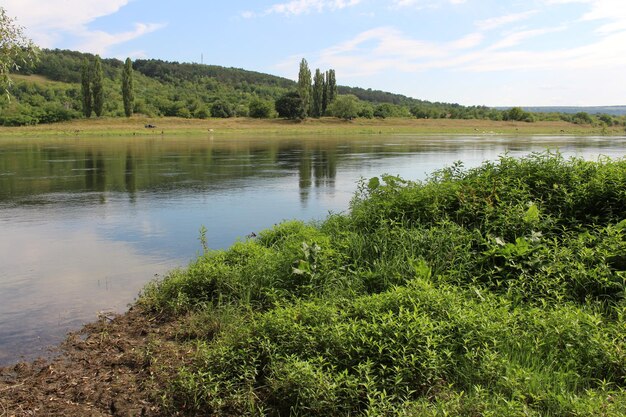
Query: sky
point(472, 52)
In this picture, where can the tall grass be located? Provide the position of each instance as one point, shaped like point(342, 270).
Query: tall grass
point(496, 291)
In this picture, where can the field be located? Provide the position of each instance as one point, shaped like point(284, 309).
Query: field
point(493, 291)
point(177, 126)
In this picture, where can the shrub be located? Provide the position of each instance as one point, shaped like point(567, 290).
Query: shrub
point(260, 109)
point(221, 109)
point(497, 290)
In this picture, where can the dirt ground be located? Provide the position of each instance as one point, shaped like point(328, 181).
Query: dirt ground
point(109, 368)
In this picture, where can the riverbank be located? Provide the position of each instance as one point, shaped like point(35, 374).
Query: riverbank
point(176, 126)
point(497, 290)
point(106, 369)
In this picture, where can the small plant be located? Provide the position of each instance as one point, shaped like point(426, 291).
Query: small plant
point(203, 240)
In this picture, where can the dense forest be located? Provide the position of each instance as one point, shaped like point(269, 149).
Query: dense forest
point(50, 91)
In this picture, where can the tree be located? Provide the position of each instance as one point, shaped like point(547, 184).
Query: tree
point(97, 88)
point(222, 109)
point(332, 86)
point(582, 118)
point(16, 49)
point(127, 88)
point(259, 109)
point(384, 110)
point(325, 94)
point(317, 109)
point(291, 106)
point(85, 89)
point(518, 114)
point(345, 107)
point(304, 85)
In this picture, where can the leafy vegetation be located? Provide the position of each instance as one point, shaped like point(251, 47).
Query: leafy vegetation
point(50, 91)
point(15, 48)
point(495, 291)
point(128, 96)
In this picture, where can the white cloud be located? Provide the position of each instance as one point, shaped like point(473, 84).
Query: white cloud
point(424, 4)
point(496, 22)
point(298, 7)
point(609, 10)
point(386, 49)
point(612, 11)
point(47, 23)
point(98, 42)
point(515, 38)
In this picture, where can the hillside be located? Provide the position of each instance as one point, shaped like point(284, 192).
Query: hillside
point(50, 92)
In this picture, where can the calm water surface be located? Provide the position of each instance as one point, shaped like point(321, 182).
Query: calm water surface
point(85, 223)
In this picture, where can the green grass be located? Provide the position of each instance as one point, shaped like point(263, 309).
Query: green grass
point(173, 126)
point(491, 291)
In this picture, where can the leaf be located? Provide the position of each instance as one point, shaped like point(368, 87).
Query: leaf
point(373, 183)
point(532, 214)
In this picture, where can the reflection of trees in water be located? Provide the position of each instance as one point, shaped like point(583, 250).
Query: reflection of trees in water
point(130, 176)
point(134, 166)
point(304, 176)
point(95, 172)
point(319, 165)
point(89, 171)
point(101, 176)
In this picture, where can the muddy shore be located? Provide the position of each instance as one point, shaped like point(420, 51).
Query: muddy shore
point(108, 368)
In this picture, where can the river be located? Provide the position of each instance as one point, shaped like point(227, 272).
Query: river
point(86, 222)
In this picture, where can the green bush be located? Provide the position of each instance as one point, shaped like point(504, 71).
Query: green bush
point(260, 109)
point(497, 290)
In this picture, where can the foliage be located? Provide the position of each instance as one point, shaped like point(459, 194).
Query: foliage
point(16, 49)
point(222, 109)
point(127, 87)
point(189, 90)
point(582, 118)
point(497, 290)
point(345, 107)
point(319, 84)
point(366, 111)
point(304, 86)
point(516, 113)
point(97, 88)
point(331, 80)
point(85, 89)
point(385, 110)
point(291, 106)
point(260, 109)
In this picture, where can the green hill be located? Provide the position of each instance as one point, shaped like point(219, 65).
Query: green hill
point(50, 92)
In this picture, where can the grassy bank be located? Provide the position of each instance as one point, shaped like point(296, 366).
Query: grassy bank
point(175, 126)
point(492, 291)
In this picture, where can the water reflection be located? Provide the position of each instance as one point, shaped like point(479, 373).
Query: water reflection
point(86, 222)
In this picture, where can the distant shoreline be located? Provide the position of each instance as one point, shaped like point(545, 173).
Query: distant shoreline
point(172, 126)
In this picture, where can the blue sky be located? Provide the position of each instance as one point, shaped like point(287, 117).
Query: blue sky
point(483, 52)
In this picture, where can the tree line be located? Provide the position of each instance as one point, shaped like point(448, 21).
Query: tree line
point(69, 86)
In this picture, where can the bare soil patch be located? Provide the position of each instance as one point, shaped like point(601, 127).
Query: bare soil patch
point(113, 367)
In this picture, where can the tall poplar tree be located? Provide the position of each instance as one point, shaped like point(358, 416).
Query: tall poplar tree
point(85, 88)
point(325, 94)
point(127, 87)
point(97, 88)
point(318, 94)
point(332, 86)
point(304, 85)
